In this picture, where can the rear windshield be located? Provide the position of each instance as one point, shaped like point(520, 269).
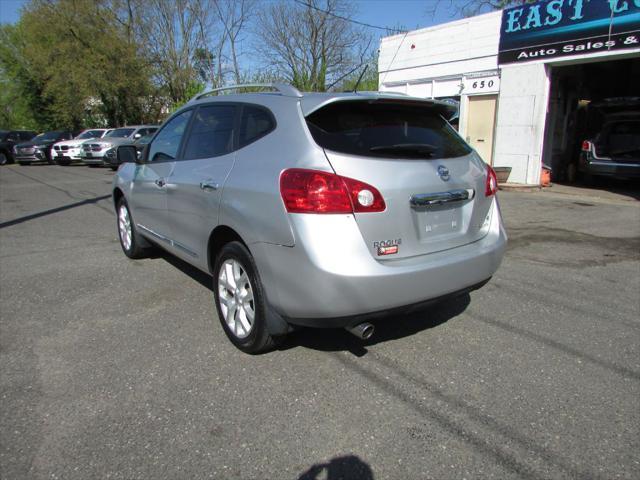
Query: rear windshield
point(382, 129)
point(621, 138)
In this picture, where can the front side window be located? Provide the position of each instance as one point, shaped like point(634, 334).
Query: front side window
point(166, 144)
point(256, 122)
point(212, 132)
point(385, 129)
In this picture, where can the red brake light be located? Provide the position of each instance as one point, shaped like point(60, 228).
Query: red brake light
point(586, 146)
point(491, 187)
point(313, 191)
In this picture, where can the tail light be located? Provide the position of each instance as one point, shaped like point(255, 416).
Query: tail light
point(586, 146)
point(313, 191)
point(491, 187)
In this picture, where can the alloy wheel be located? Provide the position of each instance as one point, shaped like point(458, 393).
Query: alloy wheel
point(236, 298)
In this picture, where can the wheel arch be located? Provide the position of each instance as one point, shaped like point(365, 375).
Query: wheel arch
point(218, 238)
point(117, 195)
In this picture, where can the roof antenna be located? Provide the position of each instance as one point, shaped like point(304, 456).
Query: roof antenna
point(355, 89)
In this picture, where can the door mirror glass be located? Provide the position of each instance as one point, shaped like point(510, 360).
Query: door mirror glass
point(127, 154)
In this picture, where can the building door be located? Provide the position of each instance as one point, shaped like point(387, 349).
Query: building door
point(481, 120)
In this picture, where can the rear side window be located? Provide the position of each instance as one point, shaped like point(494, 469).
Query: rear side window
point(256, 122)
point(211, 133)
point(385, 129)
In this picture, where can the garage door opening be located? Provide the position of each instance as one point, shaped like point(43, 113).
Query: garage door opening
point(575, 112)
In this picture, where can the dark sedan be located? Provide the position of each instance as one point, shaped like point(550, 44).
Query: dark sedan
point(8, 139)
point(38, 149)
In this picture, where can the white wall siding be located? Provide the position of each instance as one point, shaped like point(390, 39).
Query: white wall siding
point(454, 48)
point(524, 91)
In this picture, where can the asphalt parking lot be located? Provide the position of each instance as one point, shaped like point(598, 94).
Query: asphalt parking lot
point(111, 368)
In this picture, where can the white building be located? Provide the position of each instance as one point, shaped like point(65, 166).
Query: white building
point(519, 100)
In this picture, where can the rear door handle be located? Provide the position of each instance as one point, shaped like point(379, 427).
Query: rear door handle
point(160, 182)
point(208, 185)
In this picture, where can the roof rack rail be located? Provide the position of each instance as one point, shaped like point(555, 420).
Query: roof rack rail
point(281, 88)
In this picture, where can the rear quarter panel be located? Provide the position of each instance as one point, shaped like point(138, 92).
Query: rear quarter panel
point(251, 202)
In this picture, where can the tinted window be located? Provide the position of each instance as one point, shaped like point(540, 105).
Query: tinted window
point(89, 134)
point(165, 145)
point(383, 129)
point(212, 132)
point(120, 132)
point(44, 137)
point(27, 136)
point(256, 122)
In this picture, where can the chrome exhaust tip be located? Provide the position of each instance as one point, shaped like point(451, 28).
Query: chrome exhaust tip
point(364, 331)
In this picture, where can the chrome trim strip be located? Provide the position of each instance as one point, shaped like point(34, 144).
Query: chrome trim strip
point(440, 198)
point(173, 243)
point(614, 164)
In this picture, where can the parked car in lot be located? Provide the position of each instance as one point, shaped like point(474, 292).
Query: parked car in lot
point(315, 209)
point(8, 139)
point(64, 153)
point(110, 158)
point(615, 150)
point(93, 152)
point(38, 149)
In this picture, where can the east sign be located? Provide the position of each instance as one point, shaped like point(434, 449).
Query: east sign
point(568, 27)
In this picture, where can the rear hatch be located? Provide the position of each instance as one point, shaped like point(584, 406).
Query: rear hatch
point(432, 182)
point(620, 139)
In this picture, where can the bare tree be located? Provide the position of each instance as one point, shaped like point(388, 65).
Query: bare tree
point(234, 16)
point(175, 32)
point(310, 43)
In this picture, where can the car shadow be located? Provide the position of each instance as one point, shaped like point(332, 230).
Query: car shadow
point(387, 328)
point(625, 187)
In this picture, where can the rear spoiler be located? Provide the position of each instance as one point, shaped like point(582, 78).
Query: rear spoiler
point(447, 110)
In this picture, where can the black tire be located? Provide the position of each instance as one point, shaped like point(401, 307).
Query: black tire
point(92, 165)
point(5, 158)
point(258, 339)
point(138, 246)
point(113, 169)
point(24, 164)
point(63, 163)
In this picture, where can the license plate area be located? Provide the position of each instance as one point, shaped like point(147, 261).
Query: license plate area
point(438, 222)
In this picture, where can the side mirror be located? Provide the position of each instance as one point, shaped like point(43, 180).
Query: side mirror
point(137, 136)
point(127, 154)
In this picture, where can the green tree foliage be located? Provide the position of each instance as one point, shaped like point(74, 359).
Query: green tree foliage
point(77, 62)
point(20, 107)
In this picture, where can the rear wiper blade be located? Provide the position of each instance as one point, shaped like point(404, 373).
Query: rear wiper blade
point(420, 148)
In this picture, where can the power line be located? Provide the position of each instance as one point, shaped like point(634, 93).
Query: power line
point(386, 29)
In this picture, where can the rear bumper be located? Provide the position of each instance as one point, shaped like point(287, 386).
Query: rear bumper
point(330, 277)
point(594, 166)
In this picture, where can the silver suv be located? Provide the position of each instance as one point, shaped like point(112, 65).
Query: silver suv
point(319, 210)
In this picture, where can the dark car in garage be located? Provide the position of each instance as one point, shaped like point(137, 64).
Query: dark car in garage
point(615, 149)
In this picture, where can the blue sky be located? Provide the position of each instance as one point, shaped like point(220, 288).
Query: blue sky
point(409, 13)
